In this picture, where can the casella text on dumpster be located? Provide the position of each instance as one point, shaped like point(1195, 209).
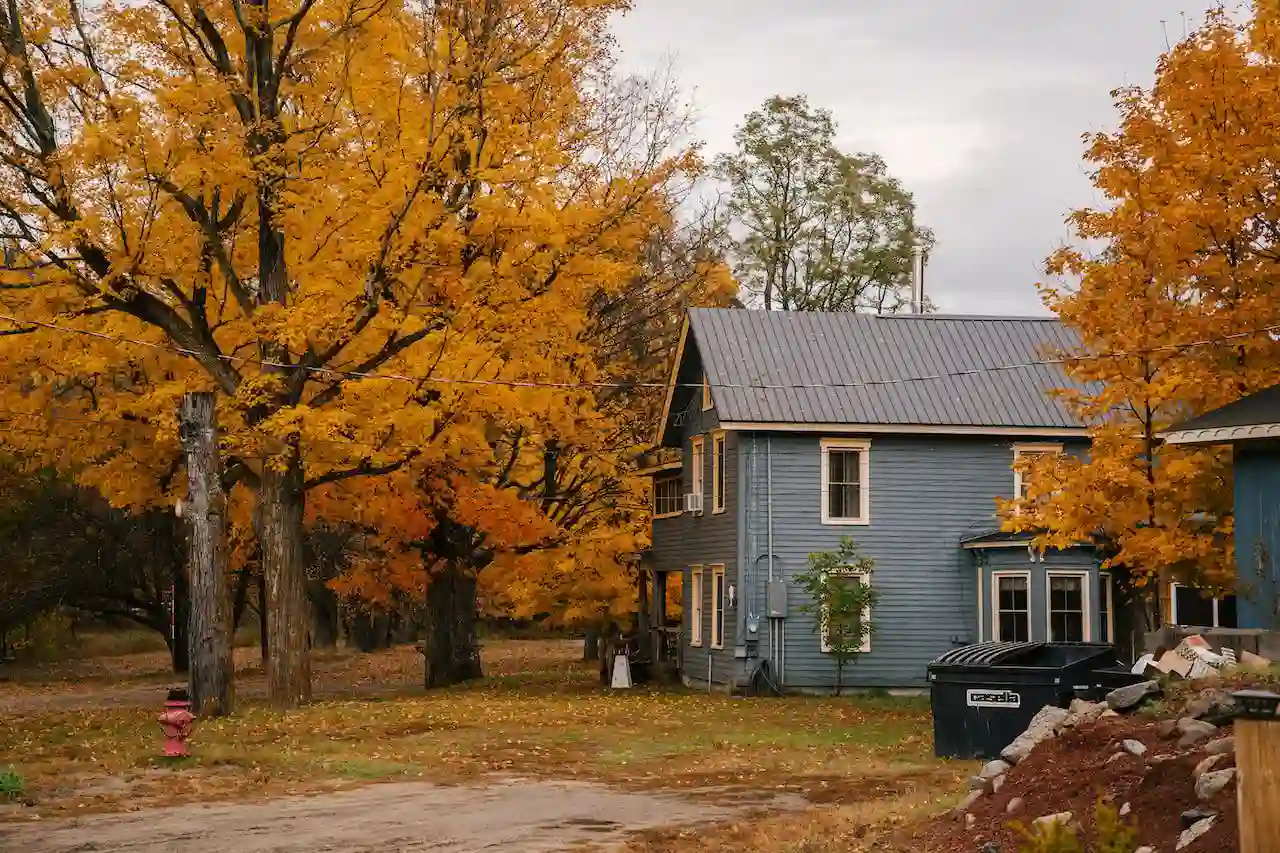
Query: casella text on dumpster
point(993, 699)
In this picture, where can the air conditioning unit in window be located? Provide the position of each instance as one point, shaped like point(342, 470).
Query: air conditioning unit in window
point(693, 502)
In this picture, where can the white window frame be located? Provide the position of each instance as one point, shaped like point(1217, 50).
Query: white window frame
point(1086, 598)
point(863, 446)
point(995, 604)
point(718, 460)
point(863, 577)
point(695, 605)
point(679, 479)
point(1029, 448)
point(1174, 586)
point(717, 607)
point(696, 484)
point(1106, 584)
point(707, 402)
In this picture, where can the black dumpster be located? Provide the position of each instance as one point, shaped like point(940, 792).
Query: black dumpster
point(984, 695)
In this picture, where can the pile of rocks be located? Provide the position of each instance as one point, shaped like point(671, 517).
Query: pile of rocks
point(1198, 732)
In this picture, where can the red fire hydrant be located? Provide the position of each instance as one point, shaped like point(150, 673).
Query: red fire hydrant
point(176, 722)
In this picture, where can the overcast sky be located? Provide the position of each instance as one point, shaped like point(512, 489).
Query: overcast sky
point(976, 105)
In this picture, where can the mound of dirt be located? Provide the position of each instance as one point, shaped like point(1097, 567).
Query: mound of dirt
point(1072, 772)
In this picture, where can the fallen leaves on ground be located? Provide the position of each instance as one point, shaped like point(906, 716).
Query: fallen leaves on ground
point(541, 712)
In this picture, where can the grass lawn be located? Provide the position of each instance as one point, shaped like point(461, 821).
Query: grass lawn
point(83, 742)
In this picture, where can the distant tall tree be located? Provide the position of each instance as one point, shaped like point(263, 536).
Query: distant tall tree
point(816, 229)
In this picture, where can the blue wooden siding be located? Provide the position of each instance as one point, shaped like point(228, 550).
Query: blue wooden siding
point(706, 540)
point(926, 494)
point(994, 561)
point(1257, 536)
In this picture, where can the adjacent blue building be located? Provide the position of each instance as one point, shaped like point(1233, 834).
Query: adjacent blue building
point(1251, 426)
point(798, 429)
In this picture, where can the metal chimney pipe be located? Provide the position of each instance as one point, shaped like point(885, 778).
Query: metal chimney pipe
point(917, 281)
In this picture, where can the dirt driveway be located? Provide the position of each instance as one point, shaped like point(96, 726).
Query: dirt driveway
point(517, 815)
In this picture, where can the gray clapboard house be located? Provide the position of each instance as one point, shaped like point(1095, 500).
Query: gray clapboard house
point(798, 429)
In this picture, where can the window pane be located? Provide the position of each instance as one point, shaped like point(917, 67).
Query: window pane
point(844, 501)
point(1014, 627)
point(667, 497)
point(1193, 608)
point(720, 473)
point(1066, 627)
point(1013, 593)
point(843, 466)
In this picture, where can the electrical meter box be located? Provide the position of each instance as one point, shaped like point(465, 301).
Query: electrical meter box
point(776, 599)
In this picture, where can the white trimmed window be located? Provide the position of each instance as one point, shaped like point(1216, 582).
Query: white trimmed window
point(1028, 451)
point(1068, 606)
point(849, 576)
point(1106, 608)
point(706, 393)
point(668, 499)
point(695, 605)
point(699, 468)
point(1192, 608)
point(717, 607)
point(846, 475)
point(1011, 606)
point(717, 472)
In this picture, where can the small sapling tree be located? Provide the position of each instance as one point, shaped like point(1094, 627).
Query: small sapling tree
point(840, 597)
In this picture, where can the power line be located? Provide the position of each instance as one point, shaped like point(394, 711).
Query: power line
point(619, 385)
point(371, 451)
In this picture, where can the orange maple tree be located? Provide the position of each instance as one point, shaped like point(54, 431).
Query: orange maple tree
point(375, 229)
point(1172, 311)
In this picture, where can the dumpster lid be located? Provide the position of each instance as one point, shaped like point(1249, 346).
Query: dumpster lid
point(985, 654)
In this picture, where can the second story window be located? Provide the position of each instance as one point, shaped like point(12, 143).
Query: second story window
point(717, 472)
point(1028, 451)
point(696, 474)
point(668, 500)
point(846, 472)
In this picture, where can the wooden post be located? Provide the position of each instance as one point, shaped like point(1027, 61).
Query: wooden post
point(1258, 785)
point(205, 513)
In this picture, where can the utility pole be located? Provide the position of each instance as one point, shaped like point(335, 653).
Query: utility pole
point(205, 511)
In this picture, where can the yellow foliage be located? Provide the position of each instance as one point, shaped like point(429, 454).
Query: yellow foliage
point(1172, 310)
point(380, 239)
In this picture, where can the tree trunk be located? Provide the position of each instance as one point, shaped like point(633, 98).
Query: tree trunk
point(324, 615)
point(281, 536)
point(591, 644)
point(450, 652)
point(209, 641)
point(263, 645)
point(177, 638)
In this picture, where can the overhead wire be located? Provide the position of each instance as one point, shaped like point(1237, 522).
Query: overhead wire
point(629, 385)
point(99, 422)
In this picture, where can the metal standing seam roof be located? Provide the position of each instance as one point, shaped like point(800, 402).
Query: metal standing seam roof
point(1251, 417)
point(742, 350)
